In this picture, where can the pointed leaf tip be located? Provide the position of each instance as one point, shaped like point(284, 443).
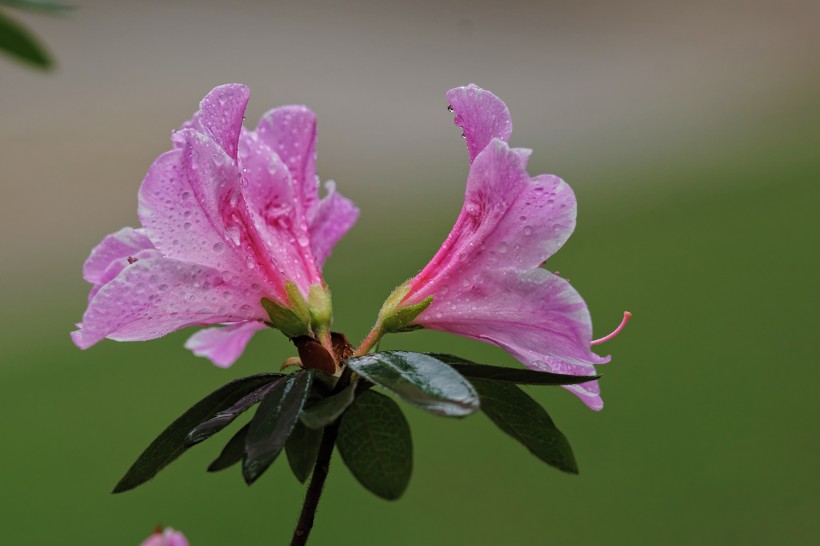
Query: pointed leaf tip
point(515, 413)
point(171, 443)
point(273, 423)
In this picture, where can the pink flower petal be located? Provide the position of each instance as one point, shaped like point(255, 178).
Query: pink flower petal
point(191, 205)
point(508, 220)
point(168, 537)
point(486, 281)
point(153, 297)
point(116, 266)
point(333, 217)
point(220, 115)
point(290, 131)
point(125, 242)
point(534, 315)
point(225, 209)
point(276, 212)
point(223, 345)
point(481, 115)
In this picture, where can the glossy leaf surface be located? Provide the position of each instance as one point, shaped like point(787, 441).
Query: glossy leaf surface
point(375, 444)
point(273, 422)
point(514, 412)
point(420, 379)
point(171, 443)
point(225, 417)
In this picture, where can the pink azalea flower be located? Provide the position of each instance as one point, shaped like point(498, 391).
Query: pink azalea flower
point(486, 282)
point(168, 537)
point(229, 217)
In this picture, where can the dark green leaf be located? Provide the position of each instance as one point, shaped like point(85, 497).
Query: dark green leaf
point(273, 423)
point(233, 451)
point(374, 441)
point(328, 409)
point(18, 41)
point(514, 412)
point(205, 430)
point(420, 379)
point(522, 376)
point(302, 448)
point(171, 443)
point(38, 5)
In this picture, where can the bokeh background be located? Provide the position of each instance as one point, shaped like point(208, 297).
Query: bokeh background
point(689, 132)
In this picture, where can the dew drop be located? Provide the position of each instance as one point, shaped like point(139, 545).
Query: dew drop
point(502, 248)
point(527, 230)
point(218, 247)
point(186, 225)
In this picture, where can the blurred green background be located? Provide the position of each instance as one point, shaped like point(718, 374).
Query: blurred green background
point(690, 136)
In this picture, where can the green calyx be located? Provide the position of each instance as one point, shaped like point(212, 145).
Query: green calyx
point(300, 317)
point(319, 306)
point(396, 318)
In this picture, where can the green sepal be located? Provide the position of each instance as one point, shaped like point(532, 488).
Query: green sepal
point(393, 317)
point(320, 307)
point(297, 303)
point(285, 320)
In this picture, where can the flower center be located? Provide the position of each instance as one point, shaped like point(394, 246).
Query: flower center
point(615, 332)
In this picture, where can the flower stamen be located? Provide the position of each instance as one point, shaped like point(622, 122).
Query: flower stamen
point(615, 332)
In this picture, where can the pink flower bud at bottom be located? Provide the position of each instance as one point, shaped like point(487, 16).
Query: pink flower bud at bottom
point(167, 537)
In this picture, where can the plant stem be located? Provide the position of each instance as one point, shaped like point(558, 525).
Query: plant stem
point(370, 341)
point(317, 482)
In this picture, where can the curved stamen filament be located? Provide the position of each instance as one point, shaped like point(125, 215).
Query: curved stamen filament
point(615, 332)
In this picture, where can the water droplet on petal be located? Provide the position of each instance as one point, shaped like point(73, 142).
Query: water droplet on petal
point(527, 230)
point(502, 248)
point(218, 247)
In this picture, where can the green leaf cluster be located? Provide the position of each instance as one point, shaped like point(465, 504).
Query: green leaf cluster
point(295, 412)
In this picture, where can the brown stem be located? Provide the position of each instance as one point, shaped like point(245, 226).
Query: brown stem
point(317, 482)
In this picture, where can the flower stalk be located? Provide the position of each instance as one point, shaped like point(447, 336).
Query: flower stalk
point(317, 483)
